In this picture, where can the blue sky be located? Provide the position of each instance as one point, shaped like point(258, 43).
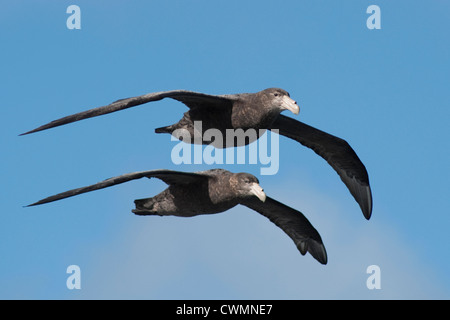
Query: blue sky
point(384, 91)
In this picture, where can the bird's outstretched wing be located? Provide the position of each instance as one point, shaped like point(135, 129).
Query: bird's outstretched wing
point(337, 152)
point(294, 224)
point(189, 98)
point(168, 176)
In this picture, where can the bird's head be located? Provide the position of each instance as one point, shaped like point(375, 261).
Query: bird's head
point(280, 100)
point(247, 186)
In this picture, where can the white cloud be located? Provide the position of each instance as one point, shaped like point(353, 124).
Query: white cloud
point(242, 255)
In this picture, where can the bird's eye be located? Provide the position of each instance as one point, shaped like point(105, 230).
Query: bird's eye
point(276, 94)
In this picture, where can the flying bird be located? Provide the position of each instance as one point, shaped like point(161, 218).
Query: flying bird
point(214, 191)
point(259, 111)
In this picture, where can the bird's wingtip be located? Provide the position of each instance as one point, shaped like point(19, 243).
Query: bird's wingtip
point(316, 249)
point(322, 256)
point(29, 132)
point(32, 131)
point(35, 204)
point(367, 214)
point(362, 193)
point(368, 204)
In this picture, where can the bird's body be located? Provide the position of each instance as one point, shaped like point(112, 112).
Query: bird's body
point(258, 111)
point(231, 112)
point(209, 192)
point(215, 194)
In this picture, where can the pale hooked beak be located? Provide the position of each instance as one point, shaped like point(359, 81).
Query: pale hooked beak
point(290, 105)
point(258, 191)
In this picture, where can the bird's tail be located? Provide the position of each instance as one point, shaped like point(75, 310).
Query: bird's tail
point(167, 129)
point(145, 207)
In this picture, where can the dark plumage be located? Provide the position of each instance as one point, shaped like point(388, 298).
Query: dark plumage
point(214, 191)
point(260, 111)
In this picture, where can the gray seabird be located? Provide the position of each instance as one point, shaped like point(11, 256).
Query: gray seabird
point(214, 191)
point(259, 111)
